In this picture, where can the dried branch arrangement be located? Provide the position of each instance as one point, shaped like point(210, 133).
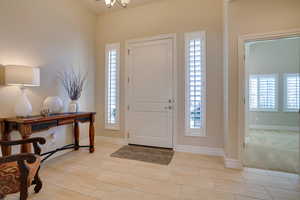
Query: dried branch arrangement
point(73, 83)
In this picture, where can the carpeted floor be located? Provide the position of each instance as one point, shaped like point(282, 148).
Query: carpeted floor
point(145, 154)
point(273, 150)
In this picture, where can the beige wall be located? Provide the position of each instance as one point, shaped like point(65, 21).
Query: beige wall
point(50, 34)
point(252, 17)
point(162, 17)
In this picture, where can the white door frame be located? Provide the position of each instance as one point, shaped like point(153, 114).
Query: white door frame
point(243, 101)
point(174, 81)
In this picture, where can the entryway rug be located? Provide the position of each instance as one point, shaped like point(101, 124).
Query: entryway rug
point(146, 154)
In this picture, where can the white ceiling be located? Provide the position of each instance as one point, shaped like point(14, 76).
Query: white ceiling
point(99, 6)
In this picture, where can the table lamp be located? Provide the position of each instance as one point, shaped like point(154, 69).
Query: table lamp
point(22, 76)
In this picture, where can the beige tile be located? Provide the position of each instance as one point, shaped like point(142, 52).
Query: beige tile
point(198, 164)
point(85, 184)
point(241, 197)
point(127, 194)
point(227, 174)
point(162, 188)
point(53, 192)
point(155, 173)
point(183, 170)
point(165, 188)
point(147, 185)
point(115, 166)
point(197, 157)
point(195, 193)
point(250, 190)
point(197, 181)
point(123, 194)
point(118, 179)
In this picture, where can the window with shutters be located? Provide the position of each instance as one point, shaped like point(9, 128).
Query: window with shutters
point(292, 92)
point(195, 83)
point(263, 91)
point(112, 65)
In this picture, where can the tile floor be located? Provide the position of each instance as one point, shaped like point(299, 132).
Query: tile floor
point(83, 176)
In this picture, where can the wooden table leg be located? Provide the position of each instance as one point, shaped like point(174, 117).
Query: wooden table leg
point(5, 133)
point(92, 134)
point(76, 135)
point(25, 131)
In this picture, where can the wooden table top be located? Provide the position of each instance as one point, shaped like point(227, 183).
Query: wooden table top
point(40, 118)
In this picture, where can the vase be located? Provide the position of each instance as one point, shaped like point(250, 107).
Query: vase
point(73, 106)
point(53, 104)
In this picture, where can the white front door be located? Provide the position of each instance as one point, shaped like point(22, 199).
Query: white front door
point(150, 98)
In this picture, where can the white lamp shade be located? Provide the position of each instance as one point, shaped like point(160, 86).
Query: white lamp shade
point(22, 75)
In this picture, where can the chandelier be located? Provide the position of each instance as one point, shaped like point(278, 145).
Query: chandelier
point(111, 3)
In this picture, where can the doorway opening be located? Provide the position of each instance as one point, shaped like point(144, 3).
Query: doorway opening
point(272, 103)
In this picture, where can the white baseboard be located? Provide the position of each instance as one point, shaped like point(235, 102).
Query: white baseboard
point(200, 150)
point(271, 127)
point(233, 163)
point(115, 140)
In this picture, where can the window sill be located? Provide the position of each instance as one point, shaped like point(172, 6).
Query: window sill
point(195, 134)
point(291, 111)
point(262, 110)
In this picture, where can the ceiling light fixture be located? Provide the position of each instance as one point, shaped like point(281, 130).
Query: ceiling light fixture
point(111, 3)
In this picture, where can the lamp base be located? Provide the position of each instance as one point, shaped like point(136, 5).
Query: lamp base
point(23, 106)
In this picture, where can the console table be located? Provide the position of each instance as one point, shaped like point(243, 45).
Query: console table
point(30, 125)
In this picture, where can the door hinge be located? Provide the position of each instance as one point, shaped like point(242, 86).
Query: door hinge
point(128, 107)
point(128, 80)
point(244, 100)
point(244, 145)
point(128, 51)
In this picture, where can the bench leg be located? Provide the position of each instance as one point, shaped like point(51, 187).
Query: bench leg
point(76, 136)
point(38, 183)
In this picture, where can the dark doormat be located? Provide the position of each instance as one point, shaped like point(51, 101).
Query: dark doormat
point(146, 154)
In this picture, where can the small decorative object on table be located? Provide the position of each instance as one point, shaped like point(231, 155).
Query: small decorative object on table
point(45, 112)
point(53, 104)
point(73, 83)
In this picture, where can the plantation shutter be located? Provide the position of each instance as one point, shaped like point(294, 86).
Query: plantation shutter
point(267, 92)
point(112, 87)
point(263, 92)
point(293, 92)
point(195, 77)
point(195, 83)
point(253, 92)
